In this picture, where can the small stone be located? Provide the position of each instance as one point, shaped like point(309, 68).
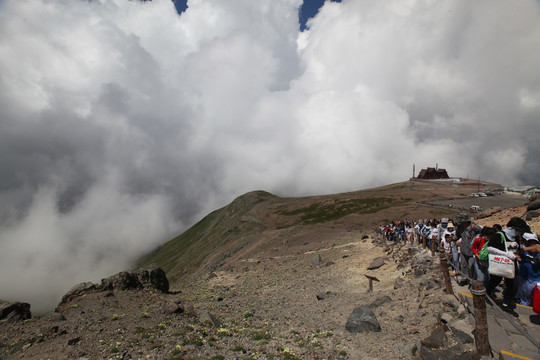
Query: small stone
point(74, 341)
point(174, 308)
point(446, 317)
point(399, 283)
point(316, 260)
point(209, 319)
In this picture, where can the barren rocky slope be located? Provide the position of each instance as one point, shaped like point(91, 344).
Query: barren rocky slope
point(260, 308)
point(268, 296)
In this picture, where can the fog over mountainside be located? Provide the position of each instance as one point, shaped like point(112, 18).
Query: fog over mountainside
point(122, 123)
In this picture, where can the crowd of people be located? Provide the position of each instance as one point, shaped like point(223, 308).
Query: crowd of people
point(467, 245)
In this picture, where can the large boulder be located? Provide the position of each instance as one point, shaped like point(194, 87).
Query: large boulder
point(153, 277)
point(150, 277)
point(362, 319)
point(14, 311)
point(78, 290)
point(121, 281)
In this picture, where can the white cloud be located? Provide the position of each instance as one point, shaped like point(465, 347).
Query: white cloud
point(121, 122)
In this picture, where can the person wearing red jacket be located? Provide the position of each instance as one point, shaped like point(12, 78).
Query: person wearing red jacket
point(480, 267)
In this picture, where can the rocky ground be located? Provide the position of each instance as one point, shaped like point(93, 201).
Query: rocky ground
point(288, 296)
point(284, 307)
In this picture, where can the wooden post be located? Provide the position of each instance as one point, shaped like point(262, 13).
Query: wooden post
point(433, 246)
point(479, 301)
point(371, 278)
point(424, 241)
point(444, 268)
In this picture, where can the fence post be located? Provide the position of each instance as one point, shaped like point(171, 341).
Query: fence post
point(444, 268)
point(479, 301)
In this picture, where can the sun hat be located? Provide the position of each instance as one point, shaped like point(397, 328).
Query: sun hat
point(530, 237)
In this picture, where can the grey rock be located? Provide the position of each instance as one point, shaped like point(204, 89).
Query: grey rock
point(446, 318)
point(316, 260)
point(451, 353)
point(362, 319)
point(151, 276)
point(321, 296)
point(427, 284)
point(14, 311)
point(436, 340)
point(377, 263)
point(451, 303)
point(209, 319)
point(78, 290)
point(399, 283)
point(174, 308)
point(121, 281)
point(462, 337)
point(74, 341)
point(462, 325)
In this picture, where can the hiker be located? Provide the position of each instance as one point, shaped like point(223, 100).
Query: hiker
point(466, 232)
point(480, 266)
point(410, 235)
point(426, 229)
point(515, 229)
point(442, 229)
point(529, 269)
point(497, 245)
point(433, 235)
point(417, 233)
point(450, 235)
point(446, 244)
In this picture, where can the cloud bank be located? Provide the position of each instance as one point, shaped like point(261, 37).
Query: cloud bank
point(122, 122)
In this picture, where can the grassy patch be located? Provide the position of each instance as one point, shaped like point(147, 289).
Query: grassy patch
point(239, 349)
point(260, 335)
point(328, 211)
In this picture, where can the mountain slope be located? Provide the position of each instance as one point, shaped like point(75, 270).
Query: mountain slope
point(186, 252)
point(258, 222)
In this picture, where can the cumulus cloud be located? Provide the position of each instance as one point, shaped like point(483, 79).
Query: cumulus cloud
point(122, 122)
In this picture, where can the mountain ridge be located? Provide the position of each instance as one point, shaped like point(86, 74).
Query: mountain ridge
point(242, 225)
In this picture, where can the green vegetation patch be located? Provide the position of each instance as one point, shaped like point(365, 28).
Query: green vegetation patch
point(322, 212)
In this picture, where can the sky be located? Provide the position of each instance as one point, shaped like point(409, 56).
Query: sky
point(122, 123)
